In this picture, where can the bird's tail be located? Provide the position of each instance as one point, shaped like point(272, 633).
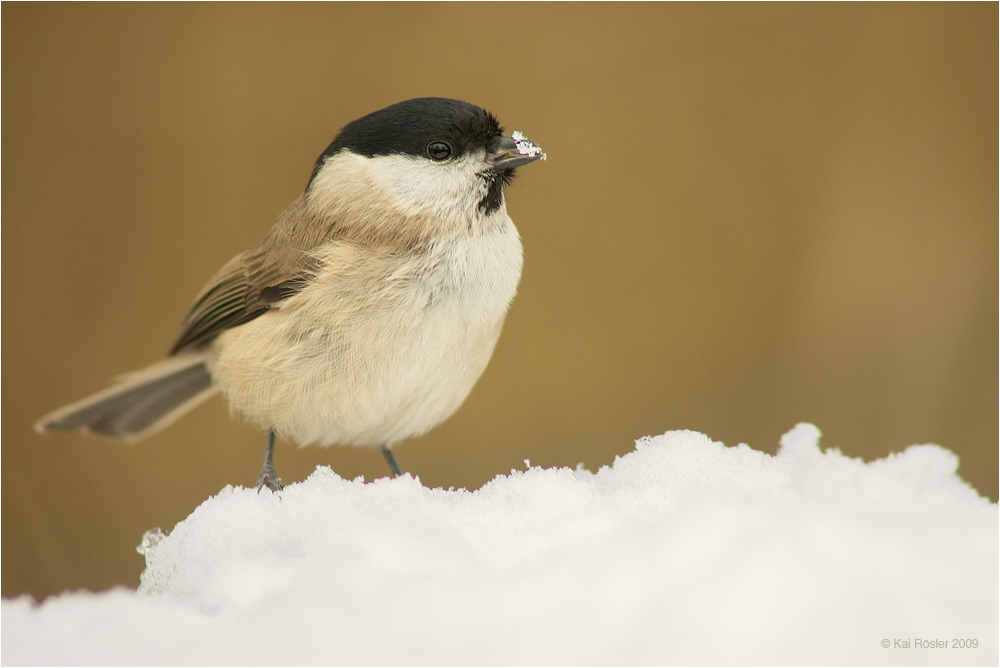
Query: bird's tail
point(140, 403)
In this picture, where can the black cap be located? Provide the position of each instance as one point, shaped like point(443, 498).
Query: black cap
point(411, 127)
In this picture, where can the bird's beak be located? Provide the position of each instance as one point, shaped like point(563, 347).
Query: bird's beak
point(514, 151)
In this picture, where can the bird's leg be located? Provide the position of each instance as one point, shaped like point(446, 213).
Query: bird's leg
point(268, 478)
point(391, 459)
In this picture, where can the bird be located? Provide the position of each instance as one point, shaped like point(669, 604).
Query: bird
point(370, 309)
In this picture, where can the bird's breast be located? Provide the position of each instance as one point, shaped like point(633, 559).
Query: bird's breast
point(380, 345)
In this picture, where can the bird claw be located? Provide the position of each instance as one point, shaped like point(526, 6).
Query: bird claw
point(270, 480)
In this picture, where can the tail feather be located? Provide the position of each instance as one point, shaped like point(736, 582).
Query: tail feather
point(141, 403)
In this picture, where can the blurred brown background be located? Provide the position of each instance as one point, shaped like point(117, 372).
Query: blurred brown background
point(751, 216)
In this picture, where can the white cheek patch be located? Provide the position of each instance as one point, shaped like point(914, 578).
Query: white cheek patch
point(418, 184)
point(407, 187)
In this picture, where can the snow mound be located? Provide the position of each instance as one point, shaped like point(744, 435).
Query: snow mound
point(683, 552)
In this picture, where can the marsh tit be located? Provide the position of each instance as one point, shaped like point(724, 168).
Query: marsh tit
point(369, 310)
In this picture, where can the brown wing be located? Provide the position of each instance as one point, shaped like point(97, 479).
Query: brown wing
point(255, 281)
point(221, 305)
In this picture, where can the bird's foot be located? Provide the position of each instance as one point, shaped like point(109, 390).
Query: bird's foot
point(268, 478)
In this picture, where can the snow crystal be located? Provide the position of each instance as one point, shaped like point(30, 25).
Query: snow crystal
point(526, 146)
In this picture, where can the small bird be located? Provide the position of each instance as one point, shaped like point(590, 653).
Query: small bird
point(371, 308)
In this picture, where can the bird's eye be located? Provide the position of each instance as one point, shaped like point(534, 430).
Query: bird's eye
point(438, 150)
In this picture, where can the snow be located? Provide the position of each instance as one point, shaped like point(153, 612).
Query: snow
point(683, 552)
point(525, 146)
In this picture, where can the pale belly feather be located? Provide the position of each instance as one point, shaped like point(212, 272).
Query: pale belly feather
point(370, 359)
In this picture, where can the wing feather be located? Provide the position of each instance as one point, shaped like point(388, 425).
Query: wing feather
point(256, 281)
